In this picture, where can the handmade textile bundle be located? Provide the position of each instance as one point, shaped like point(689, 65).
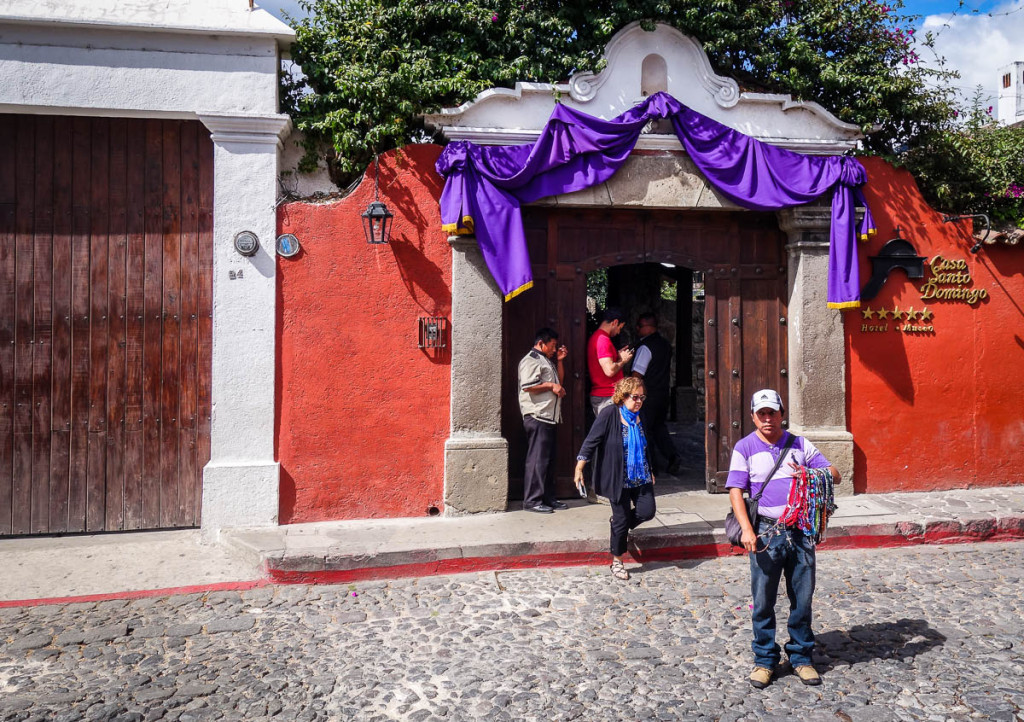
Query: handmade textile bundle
point(811, 502)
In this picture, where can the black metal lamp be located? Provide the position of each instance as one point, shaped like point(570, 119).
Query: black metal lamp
point(981, 216)
point(377, 218)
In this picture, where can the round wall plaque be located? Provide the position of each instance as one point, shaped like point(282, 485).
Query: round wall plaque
point(246, 243)
point(288, 245)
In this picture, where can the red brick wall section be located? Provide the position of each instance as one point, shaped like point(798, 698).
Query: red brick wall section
point(942, 409)
point(363, 413)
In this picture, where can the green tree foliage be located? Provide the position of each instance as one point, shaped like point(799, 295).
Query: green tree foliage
point(975, 166)
point(373, 66)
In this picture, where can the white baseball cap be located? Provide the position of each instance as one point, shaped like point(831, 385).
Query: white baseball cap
point(766, 399)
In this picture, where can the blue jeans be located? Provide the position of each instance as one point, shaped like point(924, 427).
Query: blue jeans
point(791, 552)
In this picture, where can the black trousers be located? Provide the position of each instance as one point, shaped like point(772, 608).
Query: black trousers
point(539, 479)
point(634, 507)
point(654, 414)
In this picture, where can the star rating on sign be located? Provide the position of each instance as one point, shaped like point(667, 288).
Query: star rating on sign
point(913, 320)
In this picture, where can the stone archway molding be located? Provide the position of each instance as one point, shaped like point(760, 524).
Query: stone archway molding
point(476, 469)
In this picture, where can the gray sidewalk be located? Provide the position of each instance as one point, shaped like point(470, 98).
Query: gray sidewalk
point(688, 525)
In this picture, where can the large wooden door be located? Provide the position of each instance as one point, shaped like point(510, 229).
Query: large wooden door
point(105, 322)
point(742, 257)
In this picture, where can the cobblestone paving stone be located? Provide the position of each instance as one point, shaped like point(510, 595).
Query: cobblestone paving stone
point(922, 633)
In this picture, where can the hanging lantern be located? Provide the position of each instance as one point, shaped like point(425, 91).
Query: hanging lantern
point(377, 218)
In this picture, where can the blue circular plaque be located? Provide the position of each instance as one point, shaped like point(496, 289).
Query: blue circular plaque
point(288, 245)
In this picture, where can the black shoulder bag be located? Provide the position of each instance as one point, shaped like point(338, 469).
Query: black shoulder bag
point(733, 530)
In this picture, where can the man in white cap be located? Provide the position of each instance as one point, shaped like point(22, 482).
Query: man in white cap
point(763, 463)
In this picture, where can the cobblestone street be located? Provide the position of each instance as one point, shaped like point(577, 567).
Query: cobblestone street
point(931, 633)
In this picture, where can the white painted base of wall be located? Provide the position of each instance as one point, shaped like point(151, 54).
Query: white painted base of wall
point(239, 495)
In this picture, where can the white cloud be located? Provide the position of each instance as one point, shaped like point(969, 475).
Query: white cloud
point(277, 8)
point(978, 45)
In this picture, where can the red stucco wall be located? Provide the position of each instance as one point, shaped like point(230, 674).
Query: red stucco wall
point(938, 409)
point(362, 412)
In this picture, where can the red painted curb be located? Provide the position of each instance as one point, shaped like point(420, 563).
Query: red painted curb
point(138, 594)
point(465, 565)
point(577, 559)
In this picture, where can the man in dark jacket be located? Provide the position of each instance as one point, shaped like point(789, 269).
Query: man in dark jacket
point(653, 363)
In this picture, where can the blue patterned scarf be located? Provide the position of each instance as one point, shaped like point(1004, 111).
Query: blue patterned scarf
point(635, 445)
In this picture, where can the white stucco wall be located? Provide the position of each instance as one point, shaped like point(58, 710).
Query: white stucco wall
point(216, 61)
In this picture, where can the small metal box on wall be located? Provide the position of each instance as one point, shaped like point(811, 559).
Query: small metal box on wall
point(433, 332)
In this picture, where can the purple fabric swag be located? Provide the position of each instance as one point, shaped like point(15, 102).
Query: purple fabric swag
point(486, 185)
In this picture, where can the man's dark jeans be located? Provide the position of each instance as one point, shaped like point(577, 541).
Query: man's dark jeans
point(788, 552)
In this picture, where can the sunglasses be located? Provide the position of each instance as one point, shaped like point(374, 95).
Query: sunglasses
point(636, 397)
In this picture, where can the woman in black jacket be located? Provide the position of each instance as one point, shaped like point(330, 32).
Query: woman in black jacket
point(622, 471)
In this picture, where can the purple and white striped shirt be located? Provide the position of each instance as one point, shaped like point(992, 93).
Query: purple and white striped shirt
point(753, 458)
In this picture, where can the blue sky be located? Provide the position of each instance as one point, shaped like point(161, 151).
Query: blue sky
point(975, 39)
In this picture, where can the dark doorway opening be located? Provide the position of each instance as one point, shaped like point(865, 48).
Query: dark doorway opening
point(675, 295)
point(741, 259)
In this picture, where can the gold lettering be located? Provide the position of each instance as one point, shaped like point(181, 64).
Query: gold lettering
point(939, 264)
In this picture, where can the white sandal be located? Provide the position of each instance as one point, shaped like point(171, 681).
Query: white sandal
point(619, 570)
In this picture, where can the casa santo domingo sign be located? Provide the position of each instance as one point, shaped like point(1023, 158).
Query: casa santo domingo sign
point(949, 280)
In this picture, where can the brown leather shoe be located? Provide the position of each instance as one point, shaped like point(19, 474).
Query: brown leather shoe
point(807, 674)
point(760, 677)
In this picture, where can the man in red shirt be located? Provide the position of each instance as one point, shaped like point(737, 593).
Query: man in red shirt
point(604, 363)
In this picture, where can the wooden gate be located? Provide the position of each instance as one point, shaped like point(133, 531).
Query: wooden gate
point(105, 322)
point(742, 257)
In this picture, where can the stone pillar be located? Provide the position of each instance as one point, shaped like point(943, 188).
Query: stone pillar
point(817, 358)
point(240, 482)
point(476, 454)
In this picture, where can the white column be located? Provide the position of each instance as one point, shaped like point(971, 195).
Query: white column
point(817, 355)
point(240, 483)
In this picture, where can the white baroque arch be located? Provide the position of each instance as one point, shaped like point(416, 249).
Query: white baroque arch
point(504, 116)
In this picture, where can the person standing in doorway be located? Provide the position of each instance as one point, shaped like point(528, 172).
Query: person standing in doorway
point(604, 361)
point(653, 364)
point(605, 364)
point(540, 400)
point(759, 462)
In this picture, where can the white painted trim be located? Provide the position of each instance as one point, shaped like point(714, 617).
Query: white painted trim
point(249, 129)
point(653, 141)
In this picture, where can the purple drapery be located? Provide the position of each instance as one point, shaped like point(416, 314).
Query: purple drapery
point(486, 185)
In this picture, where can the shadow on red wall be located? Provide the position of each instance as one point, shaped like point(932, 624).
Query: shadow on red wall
point(933, 409)
point(363, 412)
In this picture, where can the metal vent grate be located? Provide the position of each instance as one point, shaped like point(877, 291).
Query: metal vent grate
point(433, 332)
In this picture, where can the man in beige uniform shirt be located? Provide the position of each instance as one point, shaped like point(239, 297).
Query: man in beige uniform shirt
point(540, 400)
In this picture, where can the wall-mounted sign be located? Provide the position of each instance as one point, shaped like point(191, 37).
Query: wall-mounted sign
point(908, 320)
point(950, 281)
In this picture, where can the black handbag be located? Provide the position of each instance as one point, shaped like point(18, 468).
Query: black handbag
point(733, 530)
